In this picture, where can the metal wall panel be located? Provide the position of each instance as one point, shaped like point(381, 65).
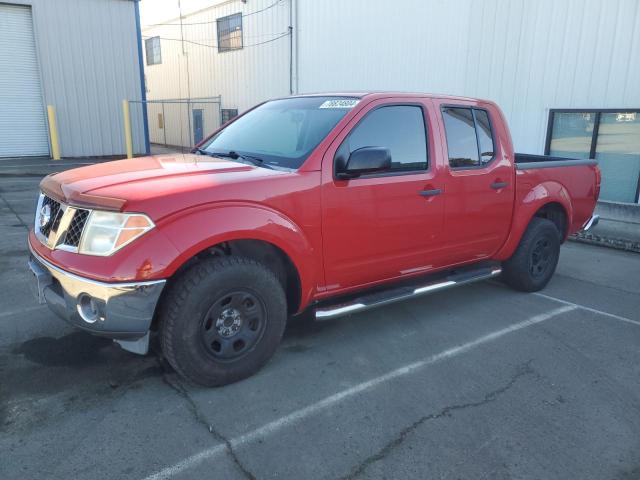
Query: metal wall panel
point(23, 125)
point(195, 68)
point(88, 59)
point(528, 56)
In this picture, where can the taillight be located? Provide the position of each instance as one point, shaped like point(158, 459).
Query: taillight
point(598, 179)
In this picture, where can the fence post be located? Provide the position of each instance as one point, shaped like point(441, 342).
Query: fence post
point(127, 128)
point(53, 132)
point(164, 125)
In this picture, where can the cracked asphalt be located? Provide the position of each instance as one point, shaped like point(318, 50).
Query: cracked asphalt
point(476, 382)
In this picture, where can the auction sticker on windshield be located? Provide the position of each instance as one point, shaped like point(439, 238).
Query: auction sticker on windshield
point(340, 103)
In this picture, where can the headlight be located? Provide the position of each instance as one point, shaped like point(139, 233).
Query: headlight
point(107, 232)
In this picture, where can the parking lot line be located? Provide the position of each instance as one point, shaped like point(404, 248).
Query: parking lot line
point(336, 398)
point(588, 309)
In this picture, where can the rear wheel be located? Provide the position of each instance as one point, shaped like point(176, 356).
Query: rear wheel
point(222, 320)
point(534, 261)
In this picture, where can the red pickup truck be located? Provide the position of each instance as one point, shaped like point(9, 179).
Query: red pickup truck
point(334, 202)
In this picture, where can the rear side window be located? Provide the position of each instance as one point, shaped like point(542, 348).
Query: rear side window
point(469, 137)
point(401, 129)
point(485, 136)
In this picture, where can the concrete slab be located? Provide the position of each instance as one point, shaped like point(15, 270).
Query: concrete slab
point(556, 399)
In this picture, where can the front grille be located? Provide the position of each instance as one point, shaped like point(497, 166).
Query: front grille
point(64, 228)
point(56, 215)
point(75, 228)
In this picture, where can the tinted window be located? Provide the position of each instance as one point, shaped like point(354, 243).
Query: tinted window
point(282, 132)
point(461, 137)
point(400, 128)
point(485, 139)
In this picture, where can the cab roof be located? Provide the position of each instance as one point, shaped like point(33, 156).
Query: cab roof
point(386, 94)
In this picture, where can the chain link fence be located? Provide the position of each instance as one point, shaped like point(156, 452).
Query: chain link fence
point(180, 124)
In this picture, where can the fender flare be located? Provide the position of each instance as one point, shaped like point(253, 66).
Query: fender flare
point(199, 228)
point(536, 198)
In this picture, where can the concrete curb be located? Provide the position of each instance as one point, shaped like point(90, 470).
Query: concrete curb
point(621, 212)
point(617, 243)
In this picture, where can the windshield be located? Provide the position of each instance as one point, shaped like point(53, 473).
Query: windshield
point(281, 133)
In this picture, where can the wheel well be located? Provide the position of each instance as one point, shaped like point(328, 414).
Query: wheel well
point(557, 214)
point(264, 252)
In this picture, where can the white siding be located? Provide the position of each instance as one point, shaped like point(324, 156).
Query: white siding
point(88, 59)
point(528, 56)
point(242, 77)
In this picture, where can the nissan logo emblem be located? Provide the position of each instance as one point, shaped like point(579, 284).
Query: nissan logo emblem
point(45, 215)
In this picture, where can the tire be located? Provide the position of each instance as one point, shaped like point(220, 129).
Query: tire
point(222, 320)
point(534, 261)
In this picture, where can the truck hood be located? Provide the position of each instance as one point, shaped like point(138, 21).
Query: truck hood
point(127, 184)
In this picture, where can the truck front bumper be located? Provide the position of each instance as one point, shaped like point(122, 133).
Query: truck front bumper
point(122, 311)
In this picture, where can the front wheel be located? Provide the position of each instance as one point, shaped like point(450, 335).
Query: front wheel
point(534, 261)
point(222, 320)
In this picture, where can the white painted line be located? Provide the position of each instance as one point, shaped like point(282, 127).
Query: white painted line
point(588, 309)
point(327, 402)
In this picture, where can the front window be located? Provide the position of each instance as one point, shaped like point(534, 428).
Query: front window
point(400, 128)
point(282, 133)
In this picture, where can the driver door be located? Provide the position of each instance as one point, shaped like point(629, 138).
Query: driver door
point(386, 224)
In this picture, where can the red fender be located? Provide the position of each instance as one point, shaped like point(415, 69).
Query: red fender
point(528, 203)
point(202, 227)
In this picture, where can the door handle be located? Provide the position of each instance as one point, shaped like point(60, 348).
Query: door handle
point(498, 185)
point(430, 193)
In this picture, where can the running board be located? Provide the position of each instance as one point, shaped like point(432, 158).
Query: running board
point(373, 300)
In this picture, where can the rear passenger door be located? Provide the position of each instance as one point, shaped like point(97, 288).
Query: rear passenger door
point(479, 184)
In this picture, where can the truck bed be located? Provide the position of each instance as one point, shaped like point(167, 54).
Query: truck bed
point(574, 179)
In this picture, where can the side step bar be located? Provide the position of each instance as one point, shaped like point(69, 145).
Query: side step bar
point(373, 300)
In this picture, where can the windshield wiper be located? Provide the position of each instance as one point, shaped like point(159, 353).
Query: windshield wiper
point(233, 155)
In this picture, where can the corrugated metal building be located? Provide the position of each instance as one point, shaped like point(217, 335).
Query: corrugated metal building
point(81, 56)
point(566, 73)
point(252, 67)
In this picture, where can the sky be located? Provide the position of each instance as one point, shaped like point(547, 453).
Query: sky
point(156, 11)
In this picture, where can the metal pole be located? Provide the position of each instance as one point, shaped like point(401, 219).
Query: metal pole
point(189, 118)
point(290, 47)
point(164, 125)
point(53, 133)
point(127, 128)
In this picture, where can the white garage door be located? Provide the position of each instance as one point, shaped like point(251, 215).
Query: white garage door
point(23, 126)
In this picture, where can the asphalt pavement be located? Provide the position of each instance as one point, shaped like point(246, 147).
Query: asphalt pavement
point(472, 383)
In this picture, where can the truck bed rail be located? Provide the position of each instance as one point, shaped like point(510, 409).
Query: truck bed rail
point(525, 161)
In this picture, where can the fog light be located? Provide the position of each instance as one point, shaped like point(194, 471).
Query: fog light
point(90, 309)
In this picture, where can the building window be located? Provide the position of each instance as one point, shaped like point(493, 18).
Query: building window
point(229, 32)
point(469, 137)
point(610, 136)
point(152, 47)
point(228, 113)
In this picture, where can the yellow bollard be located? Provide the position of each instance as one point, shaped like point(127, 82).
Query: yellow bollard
point(53, 133)
point(127, 128)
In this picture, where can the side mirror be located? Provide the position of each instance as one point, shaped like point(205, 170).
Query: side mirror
point(365, 160)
